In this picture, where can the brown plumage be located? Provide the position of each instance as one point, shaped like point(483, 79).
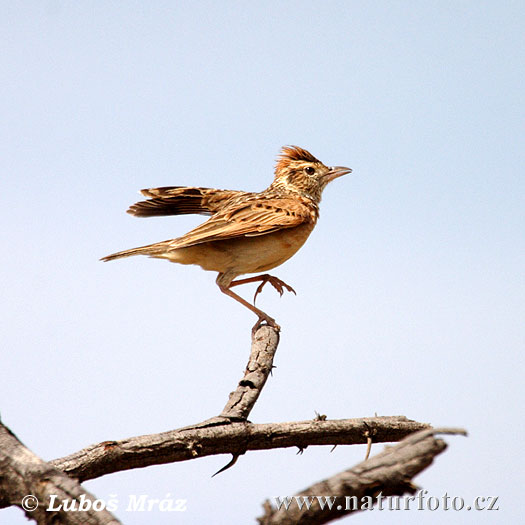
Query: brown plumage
point(180, 200)
point(247, 232)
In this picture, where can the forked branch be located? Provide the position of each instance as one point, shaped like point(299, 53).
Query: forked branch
point(228, 433)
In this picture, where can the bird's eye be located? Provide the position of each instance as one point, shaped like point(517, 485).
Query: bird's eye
point(309, 170)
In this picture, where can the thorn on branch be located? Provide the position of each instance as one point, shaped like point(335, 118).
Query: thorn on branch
point(319, 417)
point(368, 445)
point(234, 459)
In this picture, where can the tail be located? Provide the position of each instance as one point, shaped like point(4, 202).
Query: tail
point(142, 250)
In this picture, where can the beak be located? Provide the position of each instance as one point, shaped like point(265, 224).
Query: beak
point(336, 171)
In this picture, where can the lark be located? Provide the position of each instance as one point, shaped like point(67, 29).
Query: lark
point(247, 232)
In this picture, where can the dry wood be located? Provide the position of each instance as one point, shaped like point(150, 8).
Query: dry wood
point(22, 473)
point(389, 473)
point(232, 438)
point(25, 475)
point(260, 364)
point(230, 432)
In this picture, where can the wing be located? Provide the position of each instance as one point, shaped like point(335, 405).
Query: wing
point(249, 219)
point(180, 200)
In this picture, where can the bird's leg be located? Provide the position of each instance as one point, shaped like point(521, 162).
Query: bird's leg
point(224, 286)
point(279, 285)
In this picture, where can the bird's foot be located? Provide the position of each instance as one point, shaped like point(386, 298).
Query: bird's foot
point(279, 285)
point(269, 322)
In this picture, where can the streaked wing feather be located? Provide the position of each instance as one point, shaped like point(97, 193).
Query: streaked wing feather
point(249, 219)
point(181, 200)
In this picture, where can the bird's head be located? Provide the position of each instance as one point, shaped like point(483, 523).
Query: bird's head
point(298, 171)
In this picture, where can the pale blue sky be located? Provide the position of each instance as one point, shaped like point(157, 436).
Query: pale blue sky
point(410, 290)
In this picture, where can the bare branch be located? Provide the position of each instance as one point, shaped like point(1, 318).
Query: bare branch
point(230, 433)
point(389, 473)
point(235, 438)
point(25, 475)
point(260, 364)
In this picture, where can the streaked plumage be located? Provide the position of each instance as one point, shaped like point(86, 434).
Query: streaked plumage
point(247, 232)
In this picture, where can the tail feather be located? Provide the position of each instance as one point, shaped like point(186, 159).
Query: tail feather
point(142, 250)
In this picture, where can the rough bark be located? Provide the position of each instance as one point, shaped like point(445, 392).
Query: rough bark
point(28, 482)
point(389, 473)
point(260, 364)
point(232, 438)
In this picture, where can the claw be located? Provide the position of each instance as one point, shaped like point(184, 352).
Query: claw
point(269, 321)
point(279, 285)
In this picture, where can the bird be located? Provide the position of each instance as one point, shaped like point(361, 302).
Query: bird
point(248, 232)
